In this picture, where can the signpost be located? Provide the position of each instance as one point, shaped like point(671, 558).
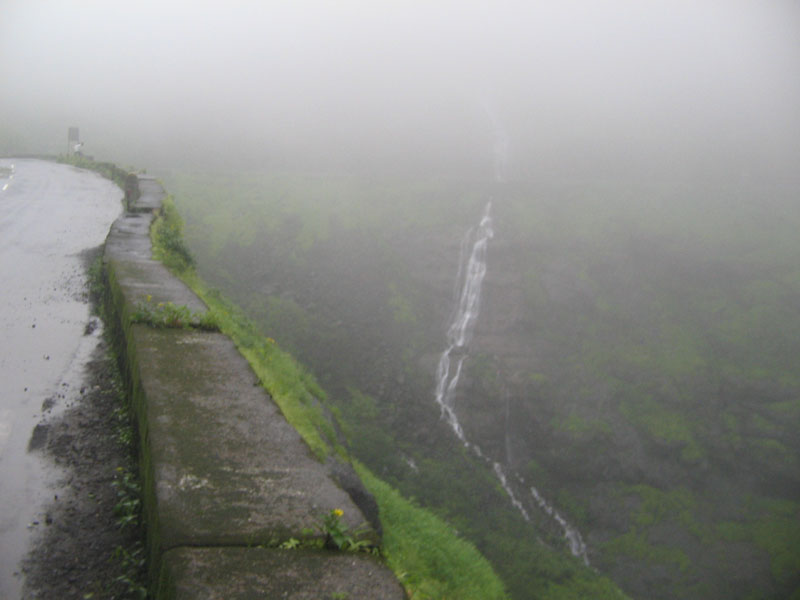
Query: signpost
point(73, 140)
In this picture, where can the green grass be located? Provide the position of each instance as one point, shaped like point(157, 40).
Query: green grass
point(167, 236)
point(173, 316)
point(428, 556)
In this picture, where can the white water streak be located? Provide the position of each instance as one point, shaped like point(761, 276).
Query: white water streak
point(472, 270)
point(501, 475)
point(469, 281)
point(572, 535)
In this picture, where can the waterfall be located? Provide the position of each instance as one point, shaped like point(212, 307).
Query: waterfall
point(472, 269)
point(469, 281)
point(572, 535)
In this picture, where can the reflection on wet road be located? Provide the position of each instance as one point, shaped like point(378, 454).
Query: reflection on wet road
point(50, 214)
point(6, 175)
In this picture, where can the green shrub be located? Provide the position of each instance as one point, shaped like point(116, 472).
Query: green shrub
point(167, 235)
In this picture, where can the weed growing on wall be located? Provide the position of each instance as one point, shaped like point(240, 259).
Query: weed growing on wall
point(338, 536)
point(173, 316)
point(167, 236)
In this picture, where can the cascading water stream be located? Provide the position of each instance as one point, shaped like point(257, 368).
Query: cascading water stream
point(464, 316)
point(469, 282)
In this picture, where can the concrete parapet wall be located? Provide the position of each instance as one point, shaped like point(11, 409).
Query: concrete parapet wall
point(226, 478)
point(258, 573)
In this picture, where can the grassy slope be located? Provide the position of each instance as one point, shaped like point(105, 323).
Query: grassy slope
point(692, 288)
point(429, 558)
point(271, 238)
point(695, 291)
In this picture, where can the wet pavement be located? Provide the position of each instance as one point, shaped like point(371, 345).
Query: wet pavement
point(51, 216)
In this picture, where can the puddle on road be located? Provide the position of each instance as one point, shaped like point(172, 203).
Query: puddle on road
point(6, 175)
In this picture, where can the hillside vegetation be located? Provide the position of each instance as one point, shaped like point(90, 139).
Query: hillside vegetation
point(635, 361)
point(428, 556)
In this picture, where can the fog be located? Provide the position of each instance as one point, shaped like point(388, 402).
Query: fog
point(605, 88)
point(638, 317)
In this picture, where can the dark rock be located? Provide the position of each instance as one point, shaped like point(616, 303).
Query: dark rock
point(38, 437)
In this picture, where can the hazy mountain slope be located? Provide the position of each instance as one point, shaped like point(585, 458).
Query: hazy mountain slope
point(634, 360)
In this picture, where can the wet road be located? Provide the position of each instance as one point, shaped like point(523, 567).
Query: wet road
point(50, 215)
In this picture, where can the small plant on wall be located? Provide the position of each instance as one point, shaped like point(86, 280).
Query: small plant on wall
point(338, 535)
point(173, 316)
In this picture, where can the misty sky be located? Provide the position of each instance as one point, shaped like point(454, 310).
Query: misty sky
point(575, 82)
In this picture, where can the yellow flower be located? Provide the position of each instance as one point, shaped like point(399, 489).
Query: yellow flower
point(149, 298)
point(338, 512)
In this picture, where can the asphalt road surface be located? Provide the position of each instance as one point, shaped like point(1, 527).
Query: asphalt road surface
point(51, 217)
